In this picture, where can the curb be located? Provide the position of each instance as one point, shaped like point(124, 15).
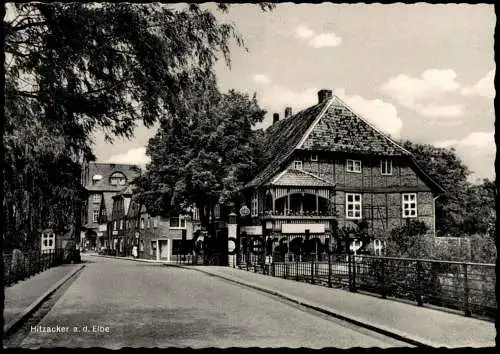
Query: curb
point(152, 261)
point(14, 323)
point(389, 332)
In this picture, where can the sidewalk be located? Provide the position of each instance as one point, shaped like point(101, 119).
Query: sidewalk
point(20, 296)
point(419, 324)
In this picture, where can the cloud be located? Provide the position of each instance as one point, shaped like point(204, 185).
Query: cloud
point(432, 110)
point(317, 40)
point(279, 97)
point(325, 40)
point(261, 79)
point(418, 93)
point(477, 150)
point(133, 156)
point(304, 32)
point(381, 114)
point(484, 87)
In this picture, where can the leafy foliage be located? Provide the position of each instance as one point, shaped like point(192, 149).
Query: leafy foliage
point(481, 209)
point(204, 156)
point(408, 241)
point(446, 168)
point(72, 68)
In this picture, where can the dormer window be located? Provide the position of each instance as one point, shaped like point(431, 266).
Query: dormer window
point(117, 179)
point(297, 165)
point(314, 157)
point(353, 166)
point(386, 167)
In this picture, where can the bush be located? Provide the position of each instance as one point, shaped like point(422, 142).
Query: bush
point(408, 241)
point(483, 249)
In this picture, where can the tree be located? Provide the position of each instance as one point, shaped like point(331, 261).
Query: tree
point(72, 68)
point(480, 209)
point(446, 168)
point(205, 156)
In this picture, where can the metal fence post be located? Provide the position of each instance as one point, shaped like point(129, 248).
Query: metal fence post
point(297, 269)
point(312, 269)
point(354, 273)
point(273, 270)
point(286, 270)
point(382, 279)
point(467, 311)
point(329, 270)
point(419, 284)
point(349, 271)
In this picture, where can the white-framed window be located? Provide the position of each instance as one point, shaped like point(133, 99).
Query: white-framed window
point(177, 222)
point(115, 224)
point(217, 211)
point(155, 221)
point(255, 203)
point(95, 216)
point(142, 223)
point(409, 203)
point(96, 198)
point(386, 167)
point(314, 157)
point(353, 166)
point(353, 206)
point(121, 224)
point(149, 223)
point(297, 165)
point(196, 213)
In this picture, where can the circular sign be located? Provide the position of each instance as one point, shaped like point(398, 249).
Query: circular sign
point(244, 211)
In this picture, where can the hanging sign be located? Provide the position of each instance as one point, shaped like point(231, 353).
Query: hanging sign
point(244, 211)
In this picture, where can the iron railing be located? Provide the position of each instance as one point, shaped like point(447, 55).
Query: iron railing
point(468, 287)
point(22, 265)
point(198, 259)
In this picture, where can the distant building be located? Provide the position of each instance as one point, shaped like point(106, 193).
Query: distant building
point(155, 237)
point(331, 168)
point(102, 182)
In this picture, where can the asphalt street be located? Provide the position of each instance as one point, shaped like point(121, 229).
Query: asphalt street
point(117, 303)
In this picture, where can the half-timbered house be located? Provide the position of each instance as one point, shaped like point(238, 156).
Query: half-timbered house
point(331, 168)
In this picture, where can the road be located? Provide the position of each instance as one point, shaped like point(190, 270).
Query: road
point(130, 304)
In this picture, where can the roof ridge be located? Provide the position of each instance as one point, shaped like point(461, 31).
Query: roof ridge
point(314, 123)
point(371, 125)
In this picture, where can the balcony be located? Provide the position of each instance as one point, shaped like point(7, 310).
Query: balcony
point(289, 215)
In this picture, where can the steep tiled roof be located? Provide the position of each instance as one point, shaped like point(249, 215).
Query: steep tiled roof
point(283, 137)
point(342, 130)
point(328, 126)
point(106, 170)
point(294, 177)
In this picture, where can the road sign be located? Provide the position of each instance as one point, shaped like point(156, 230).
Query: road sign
point(244, 211)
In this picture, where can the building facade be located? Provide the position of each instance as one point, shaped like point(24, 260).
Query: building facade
point(156, 237)
point(102, 181)
point(332, 169)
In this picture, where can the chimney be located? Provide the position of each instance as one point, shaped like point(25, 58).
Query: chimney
point(288, 112)
point(276, 117)
point(324, 95)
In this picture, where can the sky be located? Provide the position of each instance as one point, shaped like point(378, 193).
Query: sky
point(420, 72)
